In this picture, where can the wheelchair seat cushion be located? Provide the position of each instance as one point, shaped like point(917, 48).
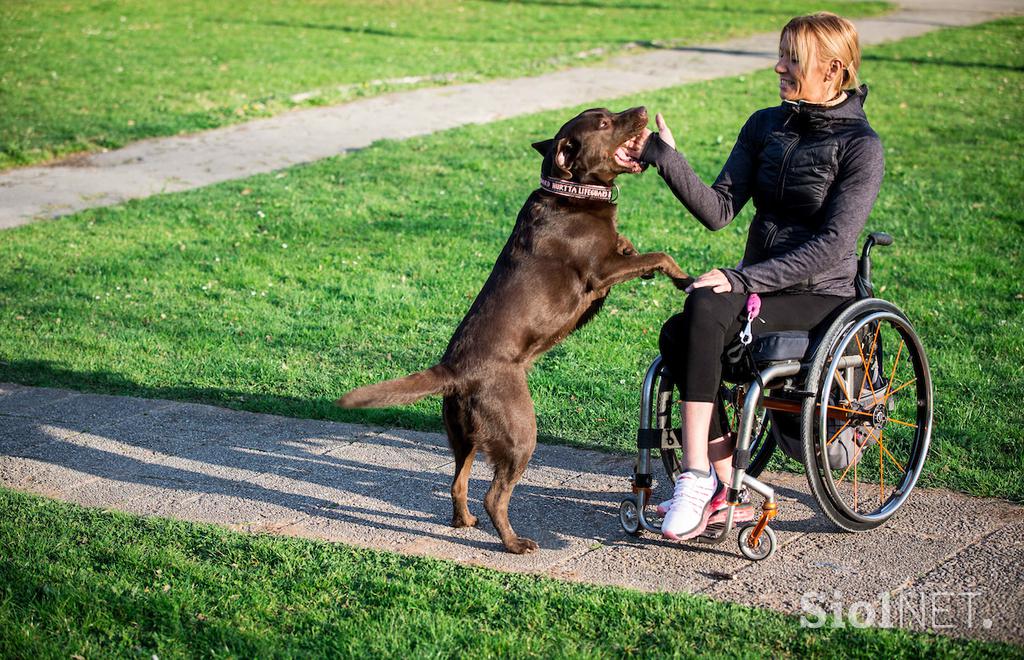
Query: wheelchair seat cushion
point(766, 348)
point(780, 346)
point(777, 346)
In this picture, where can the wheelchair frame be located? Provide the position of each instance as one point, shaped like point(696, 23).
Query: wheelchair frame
point(757, 540)
point(665, 438)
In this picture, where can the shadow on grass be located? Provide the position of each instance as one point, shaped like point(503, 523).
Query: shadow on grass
point(523, 37)
point(867, 57)
point(641, 6)
point(933, 61)
point(721, 51)
point(41, 373)
point(414, 36)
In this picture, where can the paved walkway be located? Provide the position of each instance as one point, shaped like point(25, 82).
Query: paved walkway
point(182, 163)
point(946, 562)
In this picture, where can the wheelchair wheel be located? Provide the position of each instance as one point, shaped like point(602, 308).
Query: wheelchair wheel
point(629, 516)
point(762, 445)
point(765, 547)
point(867, 429)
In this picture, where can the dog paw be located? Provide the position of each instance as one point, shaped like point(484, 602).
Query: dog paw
point(522, 546)
point(682, 282)
point(467, 520)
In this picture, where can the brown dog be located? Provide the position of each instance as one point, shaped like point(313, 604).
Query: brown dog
point(553, 275)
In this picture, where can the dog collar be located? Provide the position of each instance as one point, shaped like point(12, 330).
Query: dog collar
point(580, 190)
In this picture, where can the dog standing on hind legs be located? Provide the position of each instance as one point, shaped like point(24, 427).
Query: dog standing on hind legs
point(552, 276)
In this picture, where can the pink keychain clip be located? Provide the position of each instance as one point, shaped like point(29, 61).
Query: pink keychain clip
point(753, 310)
point(753, 306)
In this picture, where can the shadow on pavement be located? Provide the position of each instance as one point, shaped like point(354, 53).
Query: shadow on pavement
point(333, 480)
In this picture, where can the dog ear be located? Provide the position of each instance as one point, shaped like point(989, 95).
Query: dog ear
point(543, 146)
point(566, 151)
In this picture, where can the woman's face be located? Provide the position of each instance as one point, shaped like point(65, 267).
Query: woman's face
point(802, 80)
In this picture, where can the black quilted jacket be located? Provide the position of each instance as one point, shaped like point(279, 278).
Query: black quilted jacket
point(813, 173)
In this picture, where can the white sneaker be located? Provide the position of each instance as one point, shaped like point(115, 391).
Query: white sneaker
point(688, 513)
point(719, 507)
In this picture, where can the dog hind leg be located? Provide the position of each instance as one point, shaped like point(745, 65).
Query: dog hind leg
point(509, 442)
point(496, 502)
point(456, 422)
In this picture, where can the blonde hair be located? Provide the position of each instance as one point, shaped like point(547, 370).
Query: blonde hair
point(826, 37)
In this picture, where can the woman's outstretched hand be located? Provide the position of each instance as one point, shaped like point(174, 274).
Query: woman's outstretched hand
point(715, 279)
point(636, 146)
point(664, 131)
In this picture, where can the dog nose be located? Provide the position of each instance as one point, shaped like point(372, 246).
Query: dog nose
point(641, 113)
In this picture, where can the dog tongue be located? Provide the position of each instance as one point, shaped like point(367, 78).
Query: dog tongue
point(623, 159)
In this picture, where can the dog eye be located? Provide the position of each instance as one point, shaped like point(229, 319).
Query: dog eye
point(604, 123)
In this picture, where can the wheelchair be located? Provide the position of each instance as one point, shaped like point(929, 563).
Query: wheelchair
point(850, 399)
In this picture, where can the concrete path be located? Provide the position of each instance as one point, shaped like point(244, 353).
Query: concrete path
point(947, 562)
point(182, 163)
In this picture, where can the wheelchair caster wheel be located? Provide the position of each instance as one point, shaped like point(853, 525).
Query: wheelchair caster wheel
point(765, 545)
point(629, 516)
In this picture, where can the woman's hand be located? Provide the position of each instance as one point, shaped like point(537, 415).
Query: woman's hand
point(664, 131)
point(715, 279)
point(636, 146)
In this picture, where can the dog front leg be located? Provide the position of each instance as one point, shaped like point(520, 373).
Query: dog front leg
point(624, 246)
point(622, 268)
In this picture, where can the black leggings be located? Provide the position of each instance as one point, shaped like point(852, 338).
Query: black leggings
point(692, 342)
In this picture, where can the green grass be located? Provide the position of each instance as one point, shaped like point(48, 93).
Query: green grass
point(280, 292)
point(78, 582)
point(84, 75)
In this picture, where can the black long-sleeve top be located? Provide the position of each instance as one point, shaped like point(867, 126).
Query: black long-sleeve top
point(813, 172)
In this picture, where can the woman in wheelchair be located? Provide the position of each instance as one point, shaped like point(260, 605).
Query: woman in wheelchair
point(813, 167)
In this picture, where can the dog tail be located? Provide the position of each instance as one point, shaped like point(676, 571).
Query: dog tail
point(438, 379)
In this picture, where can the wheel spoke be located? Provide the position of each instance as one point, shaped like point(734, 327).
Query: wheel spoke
point(856, 457)
point(836, 435)
point(860, 350)
point(850, 410)
point(881, 473)
point(891, 457)
point(864, 363)
point(899, 388)
point(896, 421)
point(871, 355)
point(842, 386)
point(888, 392)
point(878, 439)
point(854, 486)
